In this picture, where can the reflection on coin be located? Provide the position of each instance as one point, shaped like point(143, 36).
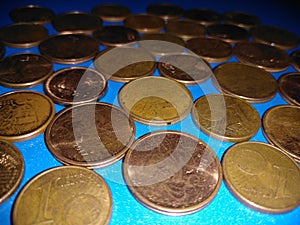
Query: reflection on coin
point(64, 195)
point(172, 173)
point(247, 82)
point(24, 70)
point(24, 115)
point(281, 126)
point(226, 117)
point(165, 11)
point(203, 16)
point(11, 169)
point(145, 23)
point(2, 50)
point(289, 86)
point(23, 35)
point(295, 58)
point(262, 177)
point(75, 85)
point(111, 12)
point(69, 48)
point(241, 19)
point(91, 135)
point(228, 32)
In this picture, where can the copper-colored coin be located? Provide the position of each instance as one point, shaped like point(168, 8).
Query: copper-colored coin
point(210, 49)
point(247, 82)
point(23, 35)
point(91, 135)
point(75, 85)
point(2, 50)
point(111, 12)
point(282, 128)
point(203, 16)
point(289, 86)
point(24, 70)
point(69, 48)
point(261, 55)
point(64, 195)
point(165, 11)
point(262, 177)
point(172, 173)
point(11, 169)
point(24, 115)
point(295, 58)
point(145, 23)
point(226, 117)
point(241, 19)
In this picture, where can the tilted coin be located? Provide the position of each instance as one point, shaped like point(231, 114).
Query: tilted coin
point(289, 86)
point(24, 70)
point(241, 19)
point(2, 50)
point(24, 114)
point(111, 12)
point(262, 177)
point(165, 11)
point(172, 173)
point(145, 23)
point(203, 16)
point(228, 32)
point(64, 195)
point(295, 58)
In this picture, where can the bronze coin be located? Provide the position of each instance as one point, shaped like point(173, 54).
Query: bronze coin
point(228, 32)
point(23, 35)
point(289, 86)
point(69, 48)
point(92, 135)
point(24, 70)
point(75, 85)
point(172, 173)
point(2, 50)
point(165, 11)
point(145, 23)
point(111, 12)
point(241, 19)
point(264, 56)
point(295, 58)
point(205, 17)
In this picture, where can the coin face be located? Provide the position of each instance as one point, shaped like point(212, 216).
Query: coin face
point(24, 115)
point(64, 195)
point(241, 19)
point(145, 23)
point(91, 135)
point(24, 70)
point(281, 128)
point(289, 88)
point(295, 58)
point(205, 17)
point(262, 177)
point(172, 173)
point(228, 32)
point(165, 11)
point(111, 12)
point(2, 50)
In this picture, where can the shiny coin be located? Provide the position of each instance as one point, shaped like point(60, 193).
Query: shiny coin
point(289, 86)
point(111, 12)
point(24, 115)
point(145, 23)
point(165, 11)
point(228, 32)
point(205, 17)
point(172, 173)
point(155, 100)
point(241, 19)
point(75, 85)
point(282, 128)
point(24, 70)
point(64, 195)
point(295, 58)
point(226, 117)
point(2, 50)
point(262, 177)
point(247, 82)
point(91, 135)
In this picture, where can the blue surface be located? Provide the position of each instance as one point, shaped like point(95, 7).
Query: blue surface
point(224, 209)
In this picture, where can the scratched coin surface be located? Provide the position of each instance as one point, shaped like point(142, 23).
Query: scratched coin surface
point(172, 173)
point(145, 23)
point(165, 11)
point(91, 135)
point(156, 100)
point(281, 127)
point(111, 12)
point(295, 59)
point(226, 117)
point(24, 114)
point(262, 177)
point(289, 86)
point(241, 19)
point(205, 17)
point(11, 169)
point(64, 195)
point(24, 70)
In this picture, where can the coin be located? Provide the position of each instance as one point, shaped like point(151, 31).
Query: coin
point(111, 12)
point(2, 50)
point(155, 100)
point(241, 19)
point(289, 85)
point(69, 48)
point(75, 85)
point(226, 117)
point(165, 11)
point(262, 177)
point(24, 115)
point(11, 169)
point(64, 195)
point(172, 173)
point(247, 82)
point(205, 17)
point(228, 32)
point(210, 49)
point(281, 128)
point(261, 55)
point(92, 135)
point(145, 23)
point(295, 58)
point(24, 70)
point(23, 35)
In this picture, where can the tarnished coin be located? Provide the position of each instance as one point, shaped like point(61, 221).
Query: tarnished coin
point(24, 70)
point(24, 115)
point(64, 195)
point(289, 86)
point(228, 32)
point(264, 56)
point(69, 48)
point(23, 35)
point(226, 117)
point(92, 135)
point(145, 23)
point(165, 11)
point(11, 169)
point(2, 50)
point(262, 177)
point(205, 17)
point(75, 85)
point(111, 12)
point(241, 19)
point(281, 127)
point(172, 173)
point(295, 58)
point(155, 100)
point(247, 82)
